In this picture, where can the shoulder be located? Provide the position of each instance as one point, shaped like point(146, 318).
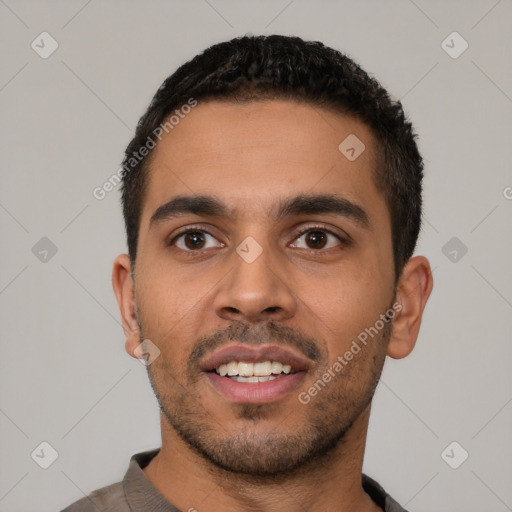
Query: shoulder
point(380, 496)
point(107, 499)
point(113, 498)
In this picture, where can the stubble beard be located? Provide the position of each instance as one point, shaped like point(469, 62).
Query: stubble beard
point(263, 453)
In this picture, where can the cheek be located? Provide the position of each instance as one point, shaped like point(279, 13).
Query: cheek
point(165, 292)
point(346, 304)
point(166, 312)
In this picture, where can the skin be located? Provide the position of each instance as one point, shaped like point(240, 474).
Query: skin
point(220, 455)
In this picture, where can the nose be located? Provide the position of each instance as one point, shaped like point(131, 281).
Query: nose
point(255, 291)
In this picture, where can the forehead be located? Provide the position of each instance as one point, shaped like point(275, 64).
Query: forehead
point(250, 155)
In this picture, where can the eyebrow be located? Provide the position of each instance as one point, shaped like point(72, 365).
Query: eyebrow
point(209, 206)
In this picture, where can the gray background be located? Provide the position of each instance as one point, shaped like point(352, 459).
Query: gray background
point(65, 377)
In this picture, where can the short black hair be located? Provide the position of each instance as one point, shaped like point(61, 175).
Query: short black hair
point(252, 68)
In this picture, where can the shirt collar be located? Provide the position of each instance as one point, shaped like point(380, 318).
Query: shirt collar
point(142, 495)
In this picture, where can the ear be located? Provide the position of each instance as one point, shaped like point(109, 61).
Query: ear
point(124, 289)
point(413, 291)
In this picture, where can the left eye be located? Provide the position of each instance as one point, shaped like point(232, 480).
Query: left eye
point(318, 239)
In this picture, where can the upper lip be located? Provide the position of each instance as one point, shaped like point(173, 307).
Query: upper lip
point(255, 354)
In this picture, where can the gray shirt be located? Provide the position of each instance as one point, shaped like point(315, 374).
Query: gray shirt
point(135, 493)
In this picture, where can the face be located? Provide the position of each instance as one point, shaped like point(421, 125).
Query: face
point(276, 256)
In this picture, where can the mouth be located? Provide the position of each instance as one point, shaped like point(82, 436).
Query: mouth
point(243, 371)
point(255, 375)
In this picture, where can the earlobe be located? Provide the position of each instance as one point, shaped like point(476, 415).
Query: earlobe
point(413, 291)
point(123, 285)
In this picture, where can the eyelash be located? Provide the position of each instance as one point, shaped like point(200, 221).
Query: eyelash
point(195, 229)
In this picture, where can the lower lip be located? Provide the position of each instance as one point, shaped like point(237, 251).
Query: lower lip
point(255, 392)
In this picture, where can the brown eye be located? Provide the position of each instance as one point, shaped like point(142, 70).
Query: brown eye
point(194, 240)
point(316, 239)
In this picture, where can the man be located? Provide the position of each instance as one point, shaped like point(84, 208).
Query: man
point(272, 200)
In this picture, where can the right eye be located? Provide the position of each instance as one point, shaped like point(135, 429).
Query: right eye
point(192, 240)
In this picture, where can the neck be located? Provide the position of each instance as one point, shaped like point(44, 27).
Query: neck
point(331, 483)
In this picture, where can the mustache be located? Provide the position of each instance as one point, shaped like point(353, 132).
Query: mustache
point(256, 334)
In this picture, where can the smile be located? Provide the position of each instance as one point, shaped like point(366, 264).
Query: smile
point(264, 371)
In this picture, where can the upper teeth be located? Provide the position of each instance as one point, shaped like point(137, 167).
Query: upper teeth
point(262, 369)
